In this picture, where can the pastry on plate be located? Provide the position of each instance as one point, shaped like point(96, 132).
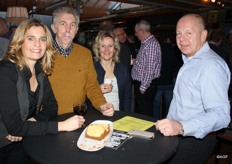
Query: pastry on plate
point(97, 131)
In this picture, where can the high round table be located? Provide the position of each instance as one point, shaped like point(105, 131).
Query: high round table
point(62, 148)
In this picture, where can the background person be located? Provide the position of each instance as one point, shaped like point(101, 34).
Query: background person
point(28, 103)
point(127, 53)
point(227, 45)
point(10, 33)
point(3, 46)
point(4, 41)
point(165, 82)
point(4, 27)
point(215, 40)
point(200, 103)
point(146, 69)
point(106, 48)
point(74, 76)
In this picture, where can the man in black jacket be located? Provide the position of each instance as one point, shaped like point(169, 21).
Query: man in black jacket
point(215, 40)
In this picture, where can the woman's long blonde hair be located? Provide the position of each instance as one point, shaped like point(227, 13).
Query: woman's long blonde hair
point(14, 53)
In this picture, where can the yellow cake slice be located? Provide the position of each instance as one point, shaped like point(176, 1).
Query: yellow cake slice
point(97, 131)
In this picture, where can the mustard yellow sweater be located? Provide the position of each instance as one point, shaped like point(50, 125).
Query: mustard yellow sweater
point(74, 78)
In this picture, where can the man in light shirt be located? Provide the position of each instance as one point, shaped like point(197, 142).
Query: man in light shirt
point(200, 105)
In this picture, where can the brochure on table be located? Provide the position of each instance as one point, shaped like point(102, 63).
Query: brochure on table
point(128, 123)
point(123, 126)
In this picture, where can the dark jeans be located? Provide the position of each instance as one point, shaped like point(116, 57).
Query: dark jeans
point(194, 151)
point(144, 102)
point(162, 101)
point(13, 154)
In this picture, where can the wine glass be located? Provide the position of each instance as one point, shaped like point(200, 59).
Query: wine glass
point(80, 109)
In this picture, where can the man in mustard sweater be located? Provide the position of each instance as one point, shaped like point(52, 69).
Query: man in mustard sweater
point(74, 76)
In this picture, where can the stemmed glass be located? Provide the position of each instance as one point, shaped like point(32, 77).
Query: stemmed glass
point(80, 109)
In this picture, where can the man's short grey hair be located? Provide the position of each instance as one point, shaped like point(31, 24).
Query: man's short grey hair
point(65, 9)
point(143, 25)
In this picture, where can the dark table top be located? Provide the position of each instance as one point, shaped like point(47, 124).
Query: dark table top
point(62, 148)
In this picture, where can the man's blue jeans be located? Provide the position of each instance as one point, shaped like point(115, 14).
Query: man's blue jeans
point(162, 100)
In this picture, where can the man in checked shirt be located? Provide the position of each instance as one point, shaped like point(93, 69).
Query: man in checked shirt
point(146, 69)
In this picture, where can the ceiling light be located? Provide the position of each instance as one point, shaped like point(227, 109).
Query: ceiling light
point(16, 14)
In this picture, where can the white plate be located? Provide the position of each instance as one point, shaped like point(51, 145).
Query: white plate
point(88, 144)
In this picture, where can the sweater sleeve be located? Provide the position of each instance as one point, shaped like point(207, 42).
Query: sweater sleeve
point(92, 87)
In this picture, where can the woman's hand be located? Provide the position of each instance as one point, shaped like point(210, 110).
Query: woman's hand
point(72, 123)
point(106, 88)
point(107, 109)
point(18, 138)
point(14, 138)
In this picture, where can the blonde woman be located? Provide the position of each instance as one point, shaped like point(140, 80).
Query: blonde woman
point(27, 102)
point(113, 77)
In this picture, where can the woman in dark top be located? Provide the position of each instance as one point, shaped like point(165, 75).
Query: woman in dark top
point(27, 102)
point(106, 48)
